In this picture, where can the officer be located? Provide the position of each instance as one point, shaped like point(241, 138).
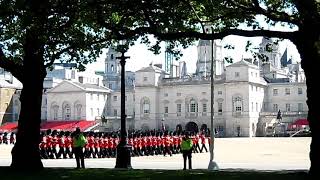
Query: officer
point(186, 148)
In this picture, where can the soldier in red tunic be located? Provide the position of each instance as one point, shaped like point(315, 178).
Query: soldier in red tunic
point(68, 145)
point(61, 145)
point(43, 146)
point(54, 143)
point(203, 142)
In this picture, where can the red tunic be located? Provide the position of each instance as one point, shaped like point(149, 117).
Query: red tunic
point(61, 141)
point(91, 141)
point(49, 141)
point(203, 139)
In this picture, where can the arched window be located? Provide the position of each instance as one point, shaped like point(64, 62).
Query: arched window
point(78, 111)
point(237, 104)
point(66, 111)
point(193, 106)
point(55, 109)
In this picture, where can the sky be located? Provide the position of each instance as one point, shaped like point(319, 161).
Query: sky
point(140, 56)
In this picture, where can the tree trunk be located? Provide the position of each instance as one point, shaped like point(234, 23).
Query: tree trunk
point(309, 49)
point(25, 153)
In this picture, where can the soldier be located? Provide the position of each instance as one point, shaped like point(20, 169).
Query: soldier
point(96, 145)
point(1, 138)
point(166, 145)
point(91, 146)
point(203, 142)
point(5, 138)
point(43, 146)
point(68, 145)
point(61, 145)
point(101, 145)
point(12, 138)
point(54, 143)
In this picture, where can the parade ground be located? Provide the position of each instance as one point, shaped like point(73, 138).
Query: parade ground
point(230, 153)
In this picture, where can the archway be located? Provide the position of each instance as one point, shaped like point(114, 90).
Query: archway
point(204, 127)
point(192, 127)
point(179, 128)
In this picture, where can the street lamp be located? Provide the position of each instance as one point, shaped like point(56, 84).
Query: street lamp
point(212, 164)
point(123, 149)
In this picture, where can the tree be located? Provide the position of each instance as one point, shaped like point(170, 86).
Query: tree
point(33, 34)
point(181, 22)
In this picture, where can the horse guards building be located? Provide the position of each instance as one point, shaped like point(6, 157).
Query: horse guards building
point(247, 94)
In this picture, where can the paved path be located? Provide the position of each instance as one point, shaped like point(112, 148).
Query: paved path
point(246, 153)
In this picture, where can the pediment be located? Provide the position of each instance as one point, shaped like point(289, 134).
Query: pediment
point(66, 86)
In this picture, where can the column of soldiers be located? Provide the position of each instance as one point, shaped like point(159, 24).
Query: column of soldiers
point(7, 138)
point(56, 145)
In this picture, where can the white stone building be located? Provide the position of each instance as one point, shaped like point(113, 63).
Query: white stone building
point(76, 101)
point(247, 96)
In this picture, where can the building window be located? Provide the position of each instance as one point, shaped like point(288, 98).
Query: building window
point(256, 74)
point(257, 107)
point(178, 109)
point(300, 107)
point(192, 107)
point(275, 92)
point(252, 108)
point(287, 91)
point(67, 112)
point(145, 78)
point(110, 86)
point(299, 90)
point(236, 74)
point(165, 94)
point(115, 98)
point(178, 94)
point(251, 73)
point(91, 96)
point(166, 110)
point(204, 107)
point(98, 98)
point(78, 111)
point(203, 93)
point(287, 107)
point(145, 106)
point(111, 56)
point(220, 92)
point(115, 113)
point(126, 98)
point(252, 86)
point(91, 111)
point(275, 108)
point(112, 68)
point(55, 112)
point(219, 108)
point(237, 104)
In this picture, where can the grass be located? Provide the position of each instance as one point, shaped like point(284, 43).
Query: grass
point(107, 174)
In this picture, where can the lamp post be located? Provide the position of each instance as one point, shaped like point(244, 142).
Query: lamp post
point(123, 149)
point(212, 164)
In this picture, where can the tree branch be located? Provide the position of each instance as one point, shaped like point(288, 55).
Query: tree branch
point(13, 68)
point(274, 16)
point(196, 14)
point(199, 35)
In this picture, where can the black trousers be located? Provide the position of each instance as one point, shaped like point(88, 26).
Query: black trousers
point(187, 154)
point(78, 152)
point(203, 147)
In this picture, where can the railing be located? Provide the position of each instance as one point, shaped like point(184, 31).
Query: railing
point(287, 113)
